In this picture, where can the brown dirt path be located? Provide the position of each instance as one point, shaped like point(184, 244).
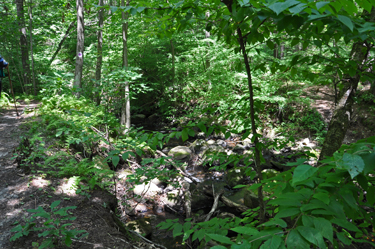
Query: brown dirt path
point(20, 192)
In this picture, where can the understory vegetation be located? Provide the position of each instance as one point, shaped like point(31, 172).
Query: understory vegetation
point(237, 83)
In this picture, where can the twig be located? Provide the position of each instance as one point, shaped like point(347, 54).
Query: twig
point(148, 241)
point(214, 206)
point(88, 243)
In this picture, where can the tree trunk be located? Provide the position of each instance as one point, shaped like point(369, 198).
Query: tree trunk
point(125, 112)
point(23, 43)
point(282, 50)
point(80, 48)
point(344, 109)
point(99, 59)
point(31, 46)
point(258, 167)
point(61, 42)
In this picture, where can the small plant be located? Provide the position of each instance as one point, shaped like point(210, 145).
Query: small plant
point(54, 228)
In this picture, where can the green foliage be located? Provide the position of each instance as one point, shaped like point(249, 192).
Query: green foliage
point(321, 206)
point(54, 228)
point(4, 99)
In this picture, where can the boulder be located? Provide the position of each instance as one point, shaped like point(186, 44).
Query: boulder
point(141, 226)
point(147, 190)
point(251, 199)
point(180, 153)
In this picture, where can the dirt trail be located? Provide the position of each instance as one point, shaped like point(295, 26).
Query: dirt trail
point(10, 181)
point(20, 192)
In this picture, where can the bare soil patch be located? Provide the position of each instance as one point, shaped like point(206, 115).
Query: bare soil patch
point(20, 192)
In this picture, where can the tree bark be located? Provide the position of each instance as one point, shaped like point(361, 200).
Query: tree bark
point(343, 112)
point(80, 48)
point(23, 43)
point(31, 47)
point(125, 111)
point(99, 59)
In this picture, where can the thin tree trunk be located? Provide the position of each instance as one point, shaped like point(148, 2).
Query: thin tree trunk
point(23, 43)
point(99, 59)
point(61, 42)
point(125, 112)
point(258, 168)
point(80, 48)
point(31, 46)
point(344, 109)
point(173, 69)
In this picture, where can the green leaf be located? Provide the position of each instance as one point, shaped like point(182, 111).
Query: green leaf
point(347, 195)
point(321, 5)
point(364, 4)
point(191, 132)
point(243, 2)
point(298, 8)
point(341, 236)
point(270, 44)
point(177, 229)
point(285, 202)
point(199, 235)
point(55, 204)
point(275, 221)
point(218, 247)
point(346, 20)
point(324, 197)
point(287, 212)
point(312, 235)
point(202, 127)
point(353, 164)
point(115, 160)
point(220, 238)
point(346, 224)
point(279, 7)
point(272, 243)
point(245, 230)
point(296, 241)
point(184, 134)
point(303, 172)
point(325, 227)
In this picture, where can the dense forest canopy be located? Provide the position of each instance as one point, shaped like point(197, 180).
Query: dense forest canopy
point(121, 81)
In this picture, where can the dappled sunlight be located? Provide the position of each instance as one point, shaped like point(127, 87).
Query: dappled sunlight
point(39, 182)
point(68, 186)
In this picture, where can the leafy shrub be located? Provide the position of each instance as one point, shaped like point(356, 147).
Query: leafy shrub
point(54, 228)
point(332, 204)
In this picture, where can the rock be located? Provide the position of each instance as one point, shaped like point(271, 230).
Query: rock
point(148, 190)
point(171, 199)
point(222, 143)
point(124, 173)
point(251, 199)
point(239, 149)
point(141, 226)
point(180, 153)
point(198, 145)
point(211, 142)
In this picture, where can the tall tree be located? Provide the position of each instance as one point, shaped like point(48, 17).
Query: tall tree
point(80, 48)
point(344, 108)
point(125, 110)
point(99, 58)
point(31, 45)
point(23, 43)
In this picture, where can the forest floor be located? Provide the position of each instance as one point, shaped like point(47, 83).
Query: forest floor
point(20, 192)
